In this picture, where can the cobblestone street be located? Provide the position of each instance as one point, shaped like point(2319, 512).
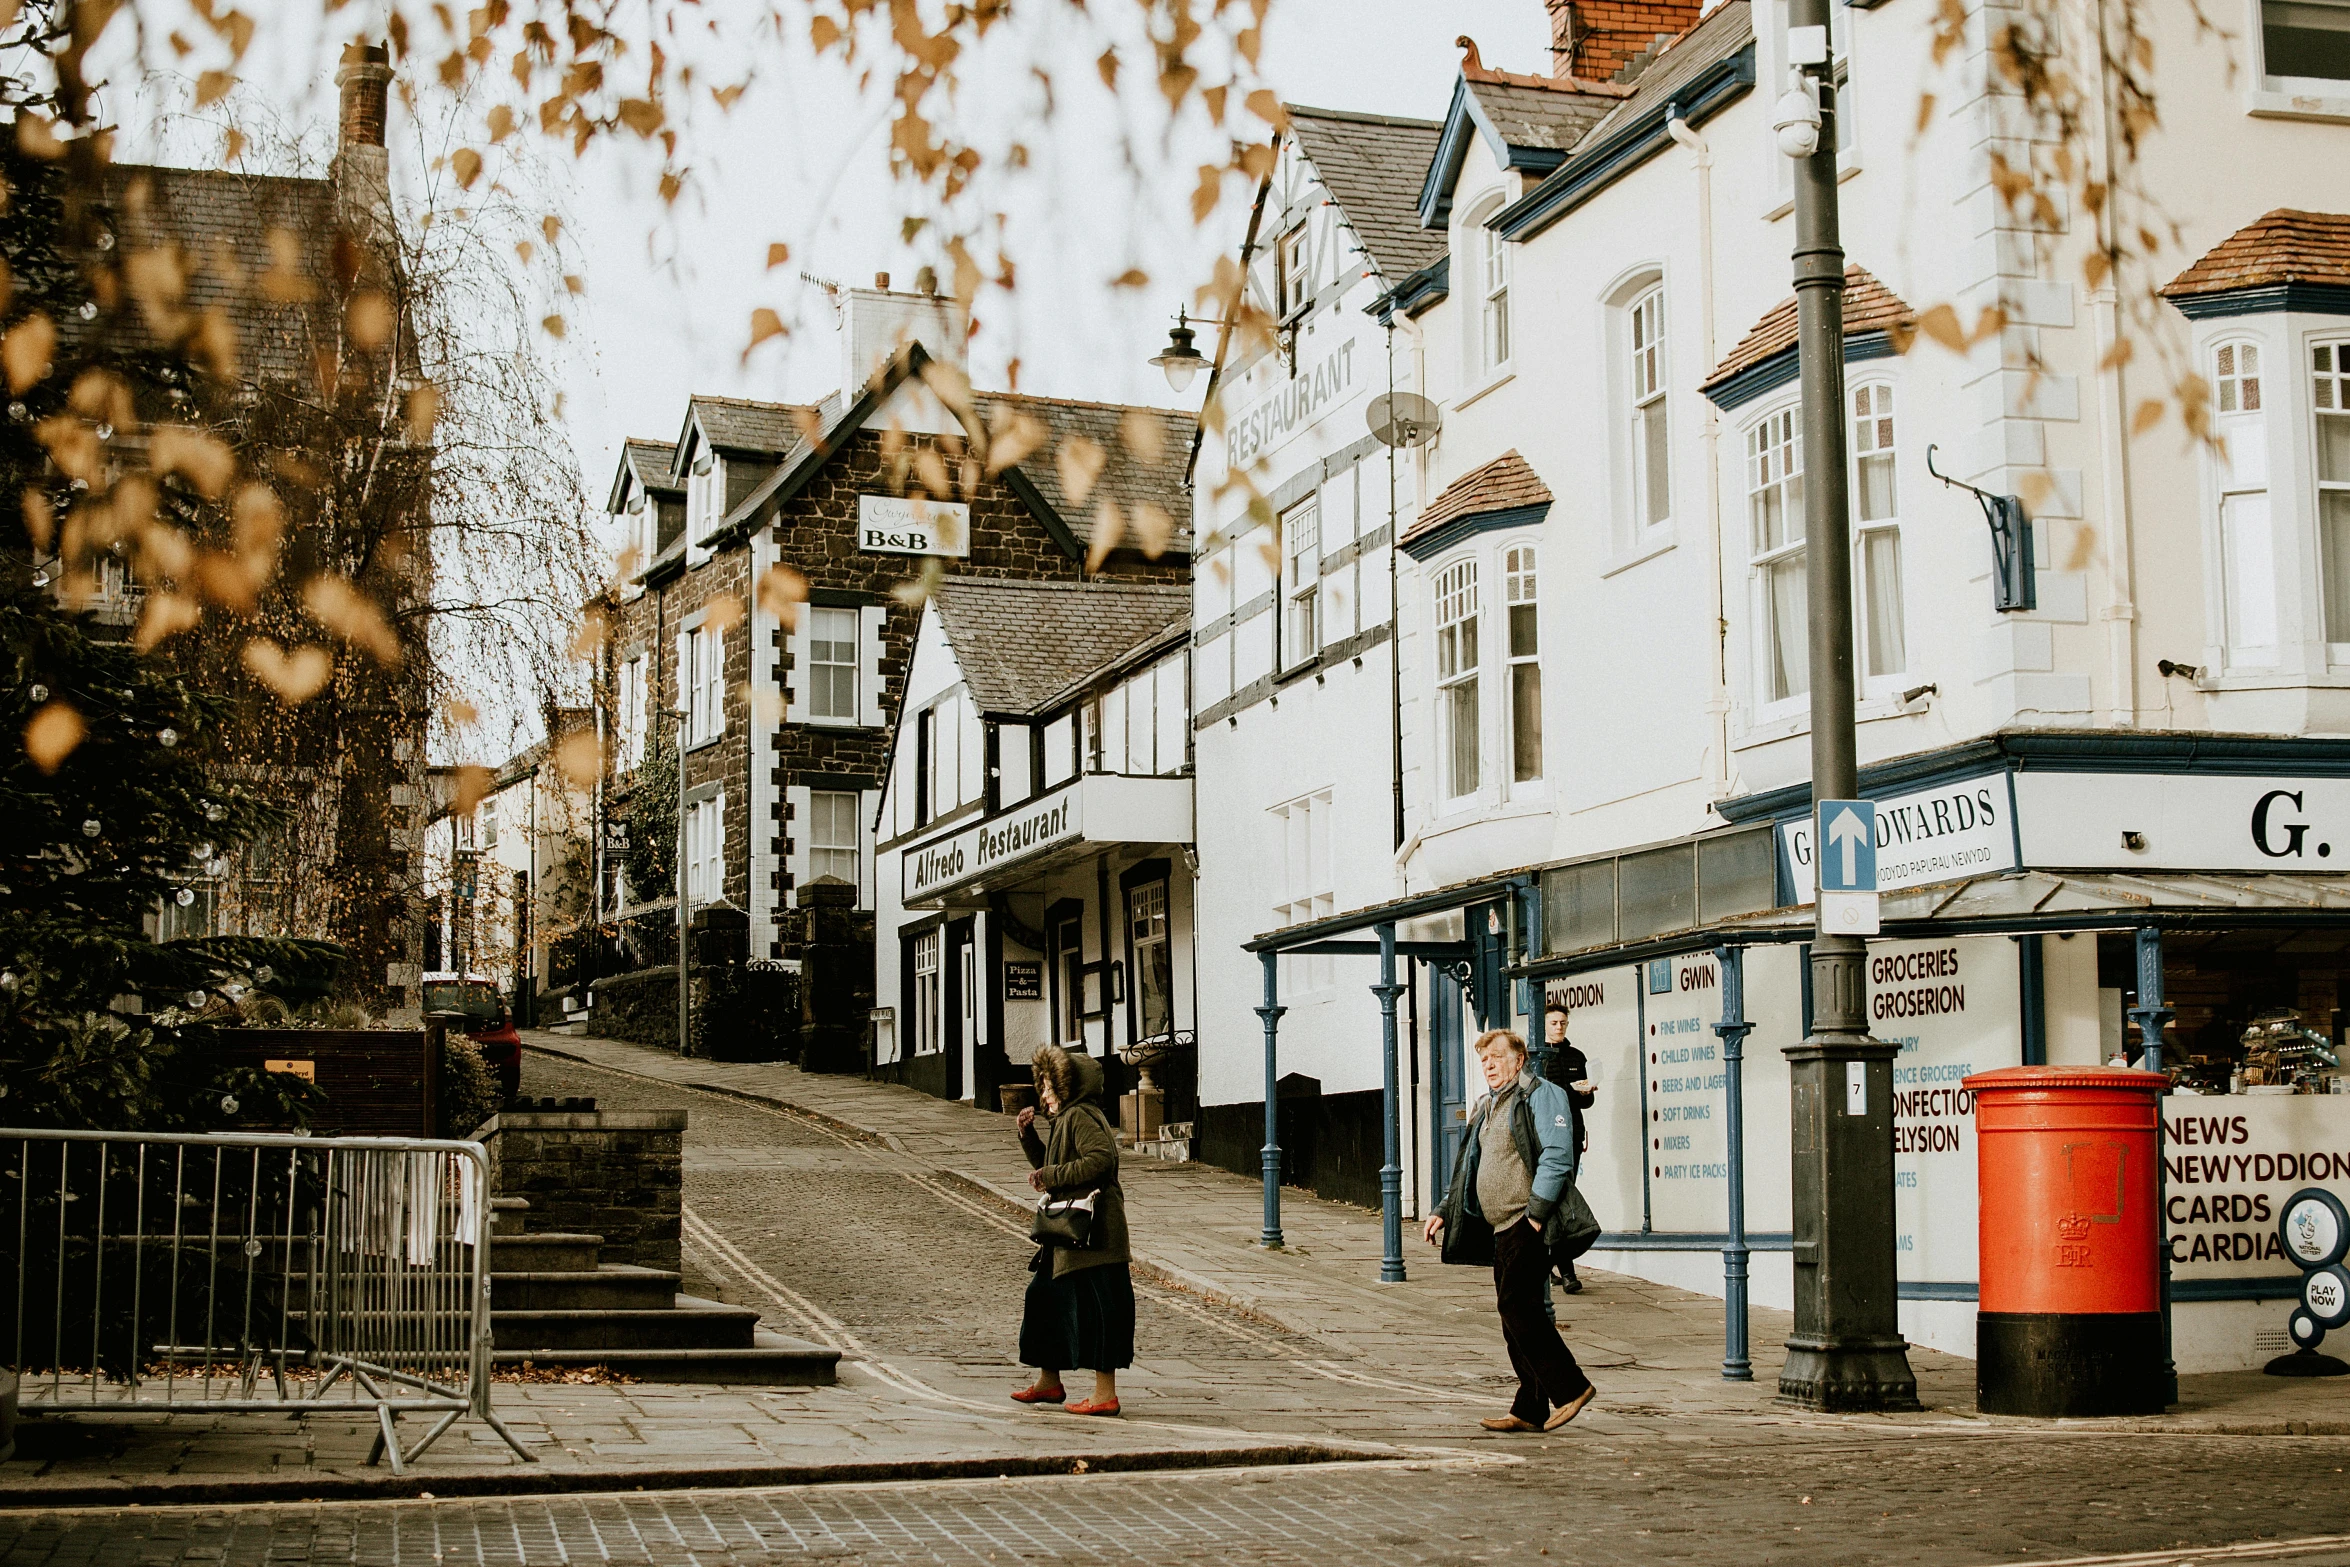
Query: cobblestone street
point(1930, 1501)
point(875, 1221)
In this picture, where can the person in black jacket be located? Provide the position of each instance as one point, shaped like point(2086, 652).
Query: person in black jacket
point(1572, 1072)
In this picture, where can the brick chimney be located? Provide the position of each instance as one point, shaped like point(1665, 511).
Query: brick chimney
point(362, 167)
point(366, 82)
point(1594, 39)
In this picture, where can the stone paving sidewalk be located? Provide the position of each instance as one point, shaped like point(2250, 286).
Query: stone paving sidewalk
point(1659, 1349)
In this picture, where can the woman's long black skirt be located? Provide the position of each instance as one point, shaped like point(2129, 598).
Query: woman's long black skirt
point(1082, 1321)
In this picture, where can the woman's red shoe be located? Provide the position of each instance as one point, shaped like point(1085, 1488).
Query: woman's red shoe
point(1040, 1395)
point(1088, 1406)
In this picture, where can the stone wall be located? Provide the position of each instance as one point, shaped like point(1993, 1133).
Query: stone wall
point(618, 1174)
point(639, 1007)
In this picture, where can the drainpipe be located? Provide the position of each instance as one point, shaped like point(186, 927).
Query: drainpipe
point(1717, 705)
point(2121, 610)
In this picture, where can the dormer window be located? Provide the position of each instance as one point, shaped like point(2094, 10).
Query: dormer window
point(1487, 256)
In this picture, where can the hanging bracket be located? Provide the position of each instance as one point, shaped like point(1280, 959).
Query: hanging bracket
point(2014, 578)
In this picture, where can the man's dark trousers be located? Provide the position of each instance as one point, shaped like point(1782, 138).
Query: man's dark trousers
point(1547, 1373)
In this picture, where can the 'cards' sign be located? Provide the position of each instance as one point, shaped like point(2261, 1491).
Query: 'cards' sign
point(913, 525)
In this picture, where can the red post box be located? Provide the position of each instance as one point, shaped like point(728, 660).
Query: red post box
point(2071, 1312)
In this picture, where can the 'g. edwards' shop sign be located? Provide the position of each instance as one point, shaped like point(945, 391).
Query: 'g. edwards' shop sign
point(931, 868)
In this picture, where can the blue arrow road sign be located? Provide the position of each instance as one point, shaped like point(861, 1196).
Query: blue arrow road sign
point(1846, 834)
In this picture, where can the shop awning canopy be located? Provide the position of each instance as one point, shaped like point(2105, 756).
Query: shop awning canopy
point(2317, 908)
point(1337, 928)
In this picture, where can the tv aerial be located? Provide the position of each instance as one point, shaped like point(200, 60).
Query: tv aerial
point(1403, 419)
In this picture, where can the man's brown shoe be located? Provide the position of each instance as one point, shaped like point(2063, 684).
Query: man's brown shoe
point(1566, 1412)
point(1507, 1423)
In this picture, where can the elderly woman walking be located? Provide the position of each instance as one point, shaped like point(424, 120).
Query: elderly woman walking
point(1513, 1182)
point(1080, 1307)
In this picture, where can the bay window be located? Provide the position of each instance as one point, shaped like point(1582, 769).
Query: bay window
point(1877, 533)
point(1457, 670)
point(1774, 504)
point(2330, 397)
point(1525, 663)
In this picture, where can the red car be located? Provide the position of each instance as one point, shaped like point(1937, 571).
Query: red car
point(489, 1022)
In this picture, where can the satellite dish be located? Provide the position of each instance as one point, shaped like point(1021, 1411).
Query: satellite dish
point(1403, 418)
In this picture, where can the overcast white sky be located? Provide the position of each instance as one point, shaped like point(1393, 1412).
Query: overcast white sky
point(670, 295)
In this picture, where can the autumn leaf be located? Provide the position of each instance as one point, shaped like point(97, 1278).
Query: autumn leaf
point(1266, 106)
point(369, 320)
point(915, 591)
point(551, 226)
point(1941, 324)
point(1015, 436)
point(1132, 277)
point(501, 124)
point(777, 254)
point(2149, 415)
point(1207, 193)
point(1153, 528)
point(554, 326)
point(52, 733)
point(588, 640)
point(296, 677)
point(641, 115)
point(781, 593)
point(258, 521)
point(460, 713)
point(1142, 434)
point(27, 350)
point(1109, 526)
point(37, 138)
point(423, 411)
point(723, 615)
point(39, 521)
point(765, 324)
point(580, 759)
point(932, 471)
point(165, 614)
point(467, 165)
point(288, 280)
point(340, 607)
point(1079, 461)
point(213, 86)
point(471, 786)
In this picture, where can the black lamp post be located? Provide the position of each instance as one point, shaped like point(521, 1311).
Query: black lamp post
point(1847, 1352)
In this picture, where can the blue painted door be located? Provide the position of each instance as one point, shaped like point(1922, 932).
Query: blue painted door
point(1449, 1081)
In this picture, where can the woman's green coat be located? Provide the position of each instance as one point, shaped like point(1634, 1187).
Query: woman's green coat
point(1079, 1154)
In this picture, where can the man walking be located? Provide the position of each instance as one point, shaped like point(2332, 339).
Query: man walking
point(1569, 1069)
point(1518, 1158)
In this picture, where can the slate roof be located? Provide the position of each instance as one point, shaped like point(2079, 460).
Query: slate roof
point(1021, 644)
point(650, 462)
point(1129, 478)
point(1725, 30)
point(737, 424)
point(1552, 117)
point(2284, 246)
point(1373, 165)
point(1504, 484)
point(1869, 306)
point(222, 222)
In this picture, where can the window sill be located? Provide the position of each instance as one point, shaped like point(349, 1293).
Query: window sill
point(1640, 552)
point(1499, 379)
point(703, 745)
point(2294, 98)
point(1792, 718)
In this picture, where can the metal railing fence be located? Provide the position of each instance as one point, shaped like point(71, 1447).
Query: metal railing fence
point(148, 1273)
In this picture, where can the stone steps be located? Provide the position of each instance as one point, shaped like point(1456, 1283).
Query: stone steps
point(556, 1303)
point(610, 1286)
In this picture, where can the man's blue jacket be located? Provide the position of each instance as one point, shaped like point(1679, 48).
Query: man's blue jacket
point(1542, 1125)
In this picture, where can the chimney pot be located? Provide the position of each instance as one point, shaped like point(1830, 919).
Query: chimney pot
point(1594, 39)
point(881, 281)
point(365, 79)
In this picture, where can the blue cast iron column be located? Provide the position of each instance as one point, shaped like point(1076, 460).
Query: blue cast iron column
point(1391, 1172)
point(1737, 1363)
point(1271, 1012)
point(2153, 1019)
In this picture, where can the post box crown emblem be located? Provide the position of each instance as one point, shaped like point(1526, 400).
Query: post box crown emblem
point(2074, 1226)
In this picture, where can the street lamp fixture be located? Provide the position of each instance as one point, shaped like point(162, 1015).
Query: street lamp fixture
point(1180, 359)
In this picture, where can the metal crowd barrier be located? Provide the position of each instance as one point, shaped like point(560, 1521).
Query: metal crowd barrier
point(158, 1273)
